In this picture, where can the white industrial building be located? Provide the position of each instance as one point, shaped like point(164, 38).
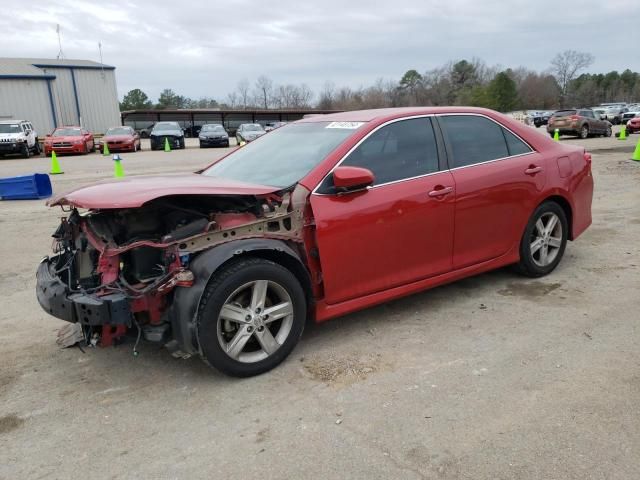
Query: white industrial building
point(52, 93)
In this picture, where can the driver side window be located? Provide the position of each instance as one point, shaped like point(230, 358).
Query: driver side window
point(398, 151)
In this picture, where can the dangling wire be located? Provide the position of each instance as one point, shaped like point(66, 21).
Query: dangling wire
point(135, 347)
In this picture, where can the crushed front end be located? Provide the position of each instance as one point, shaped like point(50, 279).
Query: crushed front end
point(113, 270)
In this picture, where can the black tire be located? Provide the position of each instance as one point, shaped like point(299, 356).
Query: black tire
point(221, 286)
point(36, 148)
point(608, 132)
point(528, 265)
point(26, 151)
point(584, 132)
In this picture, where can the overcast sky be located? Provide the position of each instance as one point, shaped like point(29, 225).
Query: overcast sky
point(202, 48)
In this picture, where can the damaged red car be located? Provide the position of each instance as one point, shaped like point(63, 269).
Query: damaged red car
point(322, 217)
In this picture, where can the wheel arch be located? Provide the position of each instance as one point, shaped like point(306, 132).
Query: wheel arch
point(186, 301)
point(566, 207)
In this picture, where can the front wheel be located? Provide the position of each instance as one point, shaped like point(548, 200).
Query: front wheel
point(544, 240)
point(251, 316)
point(26, 151)
point(608, 132)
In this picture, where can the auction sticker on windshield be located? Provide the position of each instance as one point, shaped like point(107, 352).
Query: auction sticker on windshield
point(347, 125)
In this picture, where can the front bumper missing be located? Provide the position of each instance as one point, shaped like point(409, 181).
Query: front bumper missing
point(57, 299)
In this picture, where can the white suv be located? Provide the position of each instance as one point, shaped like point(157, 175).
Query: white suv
point(18, 136)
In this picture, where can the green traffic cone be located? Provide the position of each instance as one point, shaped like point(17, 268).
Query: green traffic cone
point(118, 171)
point(556, 135)
point(636, 153)
point(623, 133)
point(105, 149)
point(167, 147)
point(55, 166)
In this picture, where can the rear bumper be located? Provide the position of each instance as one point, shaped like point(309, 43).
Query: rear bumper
point(74, 306)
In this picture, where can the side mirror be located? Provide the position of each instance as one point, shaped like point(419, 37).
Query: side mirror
point(349, 179)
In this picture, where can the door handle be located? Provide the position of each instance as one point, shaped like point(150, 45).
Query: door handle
point(440, 191)
point(532, 170)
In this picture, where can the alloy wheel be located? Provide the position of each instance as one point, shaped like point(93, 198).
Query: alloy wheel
point(546, 239)
point(255, 321)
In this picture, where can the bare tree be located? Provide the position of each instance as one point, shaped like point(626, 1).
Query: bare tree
point(263, 91)
point(327, 96)
point(565, 67)
point(243, 93)
point(232, 100)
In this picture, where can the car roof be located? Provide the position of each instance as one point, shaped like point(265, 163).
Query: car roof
point(390, 113)
point(8, 122)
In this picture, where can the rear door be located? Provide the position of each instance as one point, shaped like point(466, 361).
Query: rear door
point(398, 231)
point(498, 179)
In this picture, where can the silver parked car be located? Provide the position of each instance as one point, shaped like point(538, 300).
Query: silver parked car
point(248, 132)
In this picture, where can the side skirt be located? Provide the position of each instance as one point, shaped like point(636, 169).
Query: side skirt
point(325, 311)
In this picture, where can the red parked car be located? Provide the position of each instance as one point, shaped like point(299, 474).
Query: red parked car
point(633, 125)
point(69, 140)
point(120, 139)
point(320, 218)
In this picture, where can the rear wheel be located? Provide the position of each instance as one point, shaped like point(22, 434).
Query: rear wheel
point(544, 240)
point(584, 132)
point(251, 317)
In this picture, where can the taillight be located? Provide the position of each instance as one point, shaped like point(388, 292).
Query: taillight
point(575, 117)
point(587, 157)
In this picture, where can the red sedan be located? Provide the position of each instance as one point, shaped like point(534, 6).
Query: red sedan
point(120, 139)
point(69, 140)
point(320, 218)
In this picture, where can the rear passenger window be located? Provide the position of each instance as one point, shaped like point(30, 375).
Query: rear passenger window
point(514, 144)
point(403, 149)
point(475, 139)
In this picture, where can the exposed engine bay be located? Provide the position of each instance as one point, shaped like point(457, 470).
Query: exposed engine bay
point(114, 269)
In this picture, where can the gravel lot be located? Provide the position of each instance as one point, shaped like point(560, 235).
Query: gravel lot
point(493, 377)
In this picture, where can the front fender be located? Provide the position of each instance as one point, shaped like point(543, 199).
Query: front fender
point(186, 300)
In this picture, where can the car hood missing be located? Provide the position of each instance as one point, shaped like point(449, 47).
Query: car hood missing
point(134, 192)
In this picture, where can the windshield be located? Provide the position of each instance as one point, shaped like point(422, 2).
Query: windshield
point(212, 128)
point(163, 127)
point(282, 157)
point(253, 127)
point(66, 132)
point(9, 128)
point(118, 131)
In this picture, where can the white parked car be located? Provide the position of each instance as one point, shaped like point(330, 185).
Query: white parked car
point(18, 136)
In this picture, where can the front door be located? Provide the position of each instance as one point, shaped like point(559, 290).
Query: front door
point(398, 231)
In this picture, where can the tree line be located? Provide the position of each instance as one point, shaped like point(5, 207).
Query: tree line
point(463, 82)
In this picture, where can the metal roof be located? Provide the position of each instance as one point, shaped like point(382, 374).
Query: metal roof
point(29, 67)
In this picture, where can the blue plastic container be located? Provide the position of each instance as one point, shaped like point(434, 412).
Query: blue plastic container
point(25, 187)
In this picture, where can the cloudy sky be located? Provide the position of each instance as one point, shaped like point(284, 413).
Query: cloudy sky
point(200, 48)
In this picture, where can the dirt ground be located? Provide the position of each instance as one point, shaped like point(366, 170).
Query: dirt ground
point(493, 377)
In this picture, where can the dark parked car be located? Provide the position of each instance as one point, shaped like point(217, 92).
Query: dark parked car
point(213, 135)
point(319, 218)
point(580, 122)
point(248, 132)
point(120, 139)
point(170, 131)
